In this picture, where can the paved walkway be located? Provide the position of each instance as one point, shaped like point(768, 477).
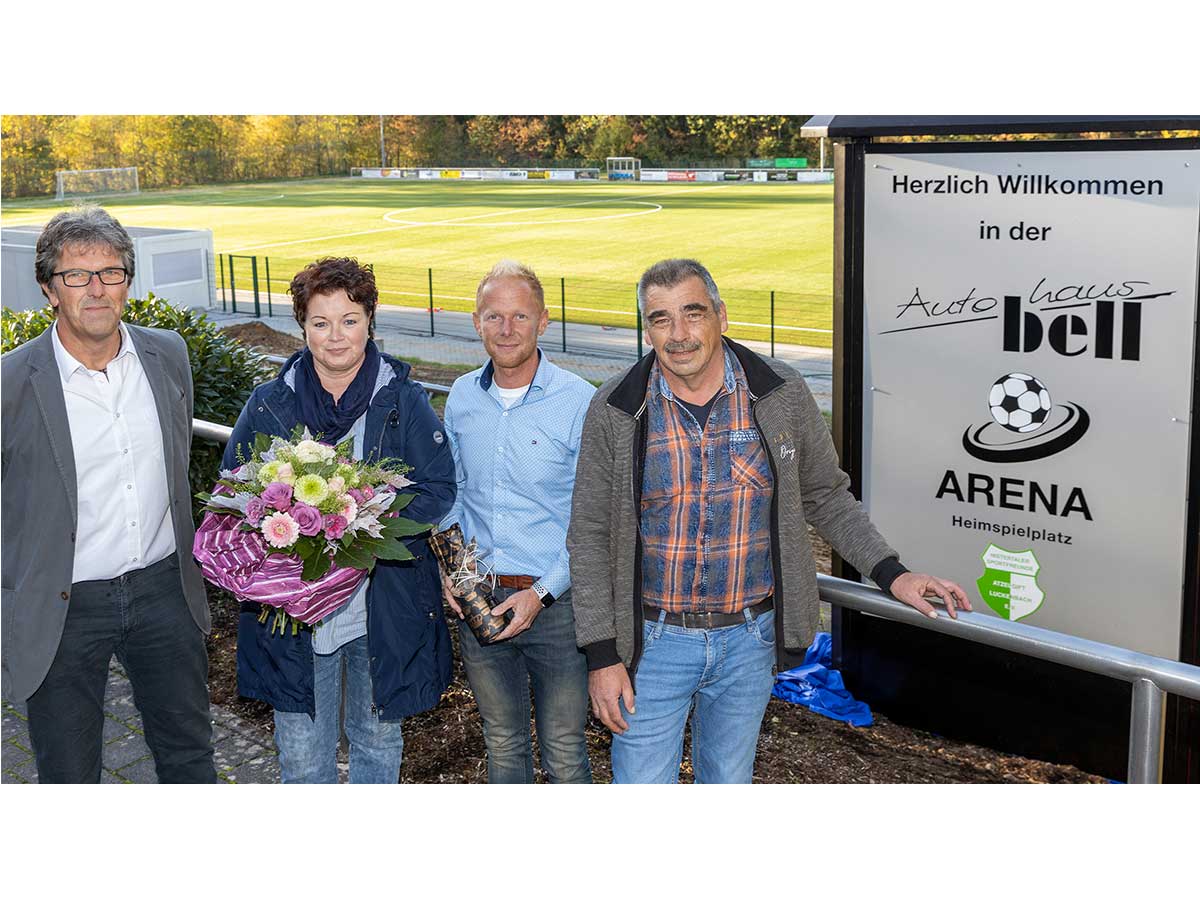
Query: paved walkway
point(243, 754)
point(594, 352)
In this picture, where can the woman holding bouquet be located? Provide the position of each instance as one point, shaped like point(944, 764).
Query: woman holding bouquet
point(388, 647)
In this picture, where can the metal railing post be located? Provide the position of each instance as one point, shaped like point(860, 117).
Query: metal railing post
point(431, 302)
point(267, 263)
point(232, 287)
point(772, 324)
point(638, 307)
point(254, 284)
point(1145, 733)
point(563, 288)
point(221, 267)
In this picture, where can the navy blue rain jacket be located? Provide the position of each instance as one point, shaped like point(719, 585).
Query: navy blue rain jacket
point(406, 631)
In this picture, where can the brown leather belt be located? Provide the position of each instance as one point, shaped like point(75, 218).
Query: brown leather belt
point(708, 619)
point(516, 582)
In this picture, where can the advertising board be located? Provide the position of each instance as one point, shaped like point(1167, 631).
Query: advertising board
point(1029, 324)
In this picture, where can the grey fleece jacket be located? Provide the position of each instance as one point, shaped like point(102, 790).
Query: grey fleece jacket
point(605, 544)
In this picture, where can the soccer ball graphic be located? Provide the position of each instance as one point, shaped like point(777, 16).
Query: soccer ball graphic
point(1019, 402)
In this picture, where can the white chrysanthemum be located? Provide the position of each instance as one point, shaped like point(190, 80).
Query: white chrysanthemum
point(312, 452)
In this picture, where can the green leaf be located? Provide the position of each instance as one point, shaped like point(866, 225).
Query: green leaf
point(402, 527)
point(306, 546)
point(262, 442)
point(316, 566)
point(393, 549)
point(401, 501)
point(355, 556)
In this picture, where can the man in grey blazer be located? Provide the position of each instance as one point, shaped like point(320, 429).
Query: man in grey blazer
point(97, 540)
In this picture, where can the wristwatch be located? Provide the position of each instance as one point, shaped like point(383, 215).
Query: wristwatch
point(542, 594)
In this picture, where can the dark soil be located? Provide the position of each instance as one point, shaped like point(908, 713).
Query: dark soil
point(268, 340)
point(264, 338)
point(796, 746)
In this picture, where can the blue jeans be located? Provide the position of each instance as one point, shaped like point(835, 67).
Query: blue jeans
point(308, 746)
point(723, 677)
point(544, 656)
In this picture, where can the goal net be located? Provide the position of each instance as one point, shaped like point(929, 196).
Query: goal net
point(95, 182)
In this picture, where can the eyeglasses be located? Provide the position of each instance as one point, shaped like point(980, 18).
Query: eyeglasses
point(83, 277)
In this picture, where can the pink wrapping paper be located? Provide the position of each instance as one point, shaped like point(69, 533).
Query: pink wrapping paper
point(237, 560)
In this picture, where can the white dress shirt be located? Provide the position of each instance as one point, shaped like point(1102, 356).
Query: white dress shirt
point(120, 473)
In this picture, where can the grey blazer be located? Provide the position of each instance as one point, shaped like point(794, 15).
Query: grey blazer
point(40, 511)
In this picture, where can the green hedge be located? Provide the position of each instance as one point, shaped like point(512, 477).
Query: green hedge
point(223, 370)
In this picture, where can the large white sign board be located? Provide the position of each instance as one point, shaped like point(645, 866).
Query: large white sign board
point(1029, 321)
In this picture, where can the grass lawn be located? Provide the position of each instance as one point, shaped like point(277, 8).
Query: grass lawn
point(593, 239)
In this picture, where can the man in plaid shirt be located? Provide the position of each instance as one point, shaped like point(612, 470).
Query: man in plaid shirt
point(692, 570)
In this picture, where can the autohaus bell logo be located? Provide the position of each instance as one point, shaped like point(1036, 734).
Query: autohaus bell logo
point(1025, 424)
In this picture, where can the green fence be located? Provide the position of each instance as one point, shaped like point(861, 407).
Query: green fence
point(258, 286)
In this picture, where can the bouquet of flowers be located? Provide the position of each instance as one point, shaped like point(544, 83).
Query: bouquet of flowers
point(299, 525)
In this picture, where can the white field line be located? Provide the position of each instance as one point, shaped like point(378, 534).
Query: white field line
point(505, 212)
point(238, 199)
point(462, 223)
point(330, 237)
point(551, 307)
point(245, 200)
point(327, 237)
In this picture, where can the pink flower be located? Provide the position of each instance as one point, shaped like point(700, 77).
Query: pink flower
point(335, 527)
point(254, 511)
point(278, 496)
point(308, 518)
point(358, 495)
point(367, 492)
point(349, 510)
point(280, 530)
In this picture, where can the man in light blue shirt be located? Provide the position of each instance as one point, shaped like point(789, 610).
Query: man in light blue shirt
point(514, 427)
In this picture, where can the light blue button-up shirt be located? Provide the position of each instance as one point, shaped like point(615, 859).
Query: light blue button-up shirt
point(516, 469)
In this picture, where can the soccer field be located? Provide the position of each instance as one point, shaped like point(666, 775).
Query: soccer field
point(597, 237)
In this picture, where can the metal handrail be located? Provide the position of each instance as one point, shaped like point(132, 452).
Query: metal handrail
point(1152, 677)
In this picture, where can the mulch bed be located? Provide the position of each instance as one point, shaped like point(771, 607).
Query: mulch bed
point(796, 746)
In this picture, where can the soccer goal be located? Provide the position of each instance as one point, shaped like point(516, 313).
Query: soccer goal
point(95, 182)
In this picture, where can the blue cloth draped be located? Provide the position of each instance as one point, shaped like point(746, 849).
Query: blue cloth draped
point(819, 687)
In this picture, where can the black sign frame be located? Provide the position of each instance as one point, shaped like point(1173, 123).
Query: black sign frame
point(957, 688)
